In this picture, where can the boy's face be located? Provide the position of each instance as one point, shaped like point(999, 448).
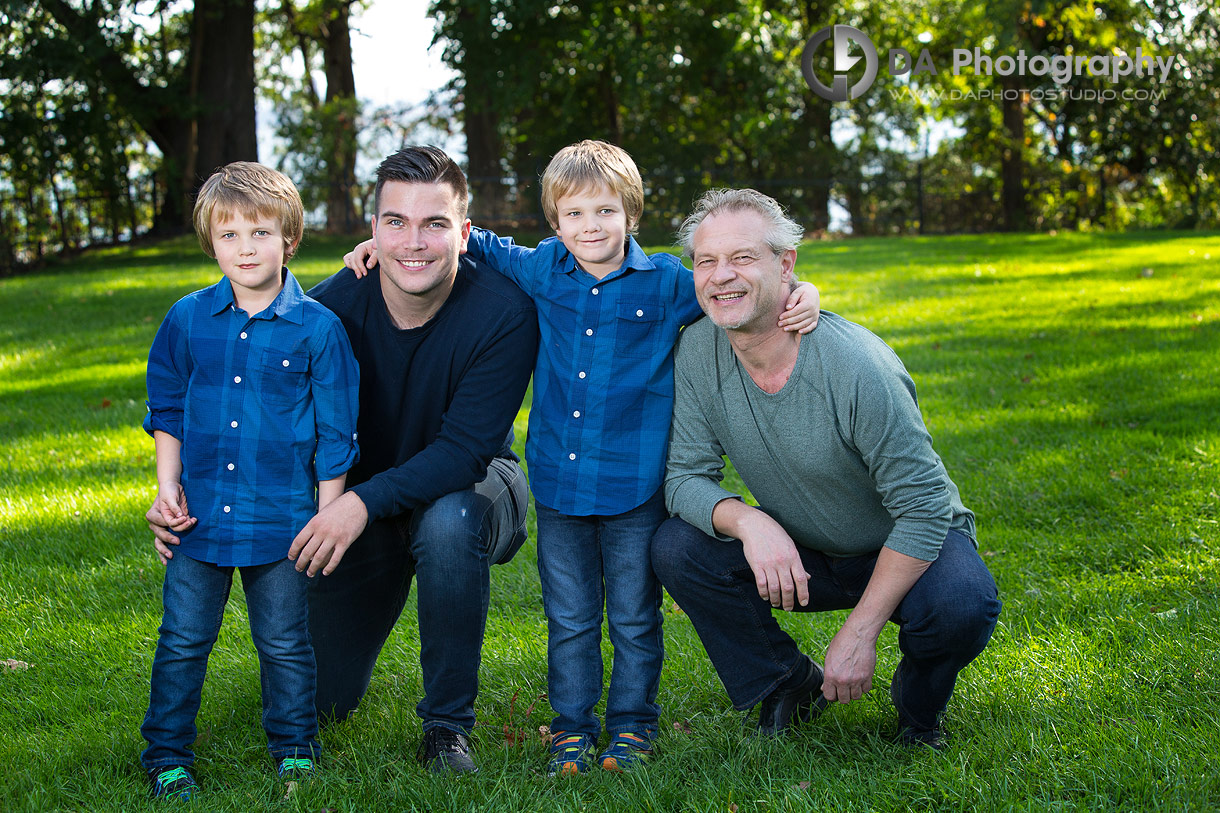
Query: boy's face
point(593, 226)
point(250, 252)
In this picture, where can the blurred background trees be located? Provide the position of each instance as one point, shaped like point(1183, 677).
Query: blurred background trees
point(114, 111)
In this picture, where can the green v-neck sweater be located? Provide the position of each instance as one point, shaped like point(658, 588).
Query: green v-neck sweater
point(840, 456)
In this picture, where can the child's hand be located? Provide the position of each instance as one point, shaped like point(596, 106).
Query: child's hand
point(172, 501)
point(803, 308)
point(361, 258)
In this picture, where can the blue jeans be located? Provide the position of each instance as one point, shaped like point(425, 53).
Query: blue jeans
point(447, 547)
point(194, 597)
point(944, 621)
point(582, 562)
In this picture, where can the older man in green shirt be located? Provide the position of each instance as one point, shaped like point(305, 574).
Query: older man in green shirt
point(855, 509)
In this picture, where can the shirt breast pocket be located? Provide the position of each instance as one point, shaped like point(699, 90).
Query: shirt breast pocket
point(639, 328)
point(284, 377)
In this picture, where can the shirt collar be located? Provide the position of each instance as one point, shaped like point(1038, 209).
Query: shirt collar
point(289, 304)
point(634, 259)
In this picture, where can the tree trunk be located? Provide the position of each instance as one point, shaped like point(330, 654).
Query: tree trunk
point(341, 107)
point(222, 83)
point(1012, 156)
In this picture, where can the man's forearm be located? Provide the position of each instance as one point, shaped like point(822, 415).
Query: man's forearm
point(893, 577)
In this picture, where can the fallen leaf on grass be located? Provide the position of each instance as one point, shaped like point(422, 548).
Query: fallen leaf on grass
point(16, 666)
point(544, 734)
point(732, 807)
point(802, 785)
point(682, 727)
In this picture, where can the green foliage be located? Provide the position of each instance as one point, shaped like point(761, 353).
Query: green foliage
point(1067, 382)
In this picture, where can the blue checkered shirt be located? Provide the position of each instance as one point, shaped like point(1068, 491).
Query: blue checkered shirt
point(265, 407)
point(603, 382)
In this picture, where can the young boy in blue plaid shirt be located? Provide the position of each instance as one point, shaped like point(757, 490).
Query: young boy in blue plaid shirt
point(598, 429)
point(252, 397)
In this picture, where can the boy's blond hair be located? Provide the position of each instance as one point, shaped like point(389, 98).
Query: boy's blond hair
point(251, 190)
point(589, 164)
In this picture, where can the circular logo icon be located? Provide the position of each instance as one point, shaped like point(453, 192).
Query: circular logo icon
point(839, 90)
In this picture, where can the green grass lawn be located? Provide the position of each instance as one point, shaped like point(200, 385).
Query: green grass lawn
point(1069, 383)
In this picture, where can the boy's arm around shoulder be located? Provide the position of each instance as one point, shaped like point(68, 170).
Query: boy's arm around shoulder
point(502, 254)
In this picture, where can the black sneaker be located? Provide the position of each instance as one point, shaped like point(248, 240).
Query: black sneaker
point(913, 738)
point(446, 751)
point(802, 700)
point(172, 782)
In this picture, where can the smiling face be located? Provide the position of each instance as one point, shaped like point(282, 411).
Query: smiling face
point(741, 283)
point(593, 226)
point(250, 252)
point(418, 234)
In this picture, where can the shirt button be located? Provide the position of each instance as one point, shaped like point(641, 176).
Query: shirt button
point(581, 374)
point(589, 332)
point(230, 467)
point(595, 292)
point(243, 334)
point(639, 313)
point(572, 456)
point(285, 362)
point(236, 379)
point(227, 509)
point(233, 424)
point(576, 414)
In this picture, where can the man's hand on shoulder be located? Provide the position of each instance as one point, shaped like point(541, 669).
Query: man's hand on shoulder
point(779, 573)
point(322, 542)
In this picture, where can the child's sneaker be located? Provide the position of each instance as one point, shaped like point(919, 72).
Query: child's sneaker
point(570, 754)
point(295, 769)
point(172, 782)
point(626, 752)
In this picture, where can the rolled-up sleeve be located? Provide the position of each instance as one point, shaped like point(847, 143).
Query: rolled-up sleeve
point(335, 382)
point(168, 376)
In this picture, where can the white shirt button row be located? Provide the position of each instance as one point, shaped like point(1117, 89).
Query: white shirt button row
point(227, 509)
point(639, 313)
point(572, 456)
point(595, 292)
point(576, 414)
point(285, 362)
point(233, 424)
point(243, 334)
point(230, 467)
point(589, 332)
point(236, 379)
point(581, 374)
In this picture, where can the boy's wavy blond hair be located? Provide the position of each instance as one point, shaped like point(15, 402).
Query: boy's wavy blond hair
point(587, 165)
point(251, 190)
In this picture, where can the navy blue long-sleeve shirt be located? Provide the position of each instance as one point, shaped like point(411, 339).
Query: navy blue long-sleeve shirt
point(437, 402)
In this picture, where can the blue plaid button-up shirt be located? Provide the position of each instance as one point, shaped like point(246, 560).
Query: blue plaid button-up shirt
point(265, 407)
point(603, 382)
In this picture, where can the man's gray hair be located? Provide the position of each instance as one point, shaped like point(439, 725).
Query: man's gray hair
point(784, 232)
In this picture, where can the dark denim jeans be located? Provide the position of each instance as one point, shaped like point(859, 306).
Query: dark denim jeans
point(584, 562)
point(194, 597)
point(447, 548)
point(944, 621)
